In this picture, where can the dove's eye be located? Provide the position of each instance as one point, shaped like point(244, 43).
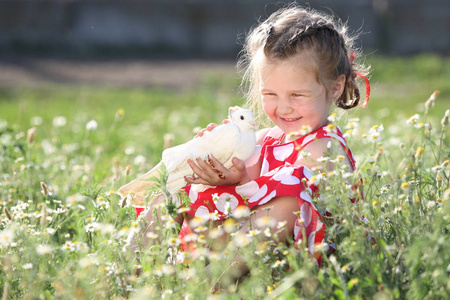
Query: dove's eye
point(242, 117)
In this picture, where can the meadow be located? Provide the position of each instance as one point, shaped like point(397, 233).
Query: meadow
point(65, 150)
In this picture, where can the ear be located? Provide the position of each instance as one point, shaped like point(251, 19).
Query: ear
point(338, 88)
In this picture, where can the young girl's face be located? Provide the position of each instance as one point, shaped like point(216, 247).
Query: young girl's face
point(292, 97)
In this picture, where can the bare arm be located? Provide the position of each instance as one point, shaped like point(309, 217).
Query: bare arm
point(318, 154)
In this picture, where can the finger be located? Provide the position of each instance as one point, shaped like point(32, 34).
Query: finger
point(200, 133)
point(195, 180)
point(241, 170)
point(211, 126)
point(216, 165)
point(196, 169)
point(226, 121)
point(203, 170)
point(218, 168)
point(207, 167)
point(238, 164)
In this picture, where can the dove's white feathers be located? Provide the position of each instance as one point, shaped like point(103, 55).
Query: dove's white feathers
point(235, 139)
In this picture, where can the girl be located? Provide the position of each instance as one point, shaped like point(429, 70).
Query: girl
point(299, 63)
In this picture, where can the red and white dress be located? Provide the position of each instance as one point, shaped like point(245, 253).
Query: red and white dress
point(279, 177)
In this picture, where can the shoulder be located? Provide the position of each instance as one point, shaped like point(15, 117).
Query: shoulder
point(327, 142)
point(319, 147)
point(261, 135)
point(265, 133)
point(319, 152)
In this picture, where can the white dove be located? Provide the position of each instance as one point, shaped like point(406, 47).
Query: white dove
point(234, 139)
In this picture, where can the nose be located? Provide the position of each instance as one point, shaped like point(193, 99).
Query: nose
point(284, 106)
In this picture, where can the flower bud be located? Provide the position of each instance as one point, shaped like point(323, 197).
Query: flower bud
point(444, 120)
point(8, 215)
point(31, 133)
point(44, 188)
point(419, 152)
point(124, 202)
point(430, 102)
point(127, 170)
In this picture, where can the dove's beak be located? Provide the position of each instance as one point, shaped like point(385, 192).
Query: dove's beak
point(253, 125)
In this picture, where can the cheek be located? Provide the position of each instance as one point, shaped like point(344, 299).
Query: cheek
point(267, 106)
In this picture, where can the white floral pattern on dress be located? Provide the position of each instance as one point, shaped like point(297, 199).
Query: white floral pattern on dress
point(223, 199)
point(259, 194)
point(202, 212)
point(193, 195)
point(268, 197)
point(306, 213)
point(281, 153)
point(265, 167)
point(308, 139)
point(285, 176)
point(247, 190)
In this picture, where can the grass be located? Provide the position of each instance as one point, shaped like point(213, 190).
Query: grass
point(62, 228)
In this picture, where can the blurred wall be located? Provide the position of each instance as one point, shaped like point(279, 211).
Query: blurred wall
point(203, 28)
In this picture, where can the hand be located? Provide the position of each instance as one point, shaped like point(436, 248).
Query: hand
point(212, 172)
point(210, 127)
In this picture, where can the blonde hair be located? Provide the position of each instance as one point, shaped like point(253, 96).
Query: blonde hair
point(298, 31)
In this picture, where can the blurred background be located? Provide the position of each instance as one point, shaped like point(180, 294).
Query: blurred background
point(93, 57)
point(203, 28)
point(70, 40)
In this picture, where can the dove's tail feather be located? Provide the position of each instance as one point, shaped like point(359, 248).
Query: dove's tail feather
point(139, 186)
point(175, 180)
point(174, 185)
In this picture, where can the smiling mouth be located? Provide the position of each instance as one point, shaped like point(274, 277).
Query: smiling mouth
point(291, 120)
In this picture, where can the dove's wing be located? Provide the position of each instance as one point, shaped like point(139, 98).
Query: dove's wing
point(221, 143)
point(175, 156)
point(224, 142)
point(140, 186)
point(175, 160)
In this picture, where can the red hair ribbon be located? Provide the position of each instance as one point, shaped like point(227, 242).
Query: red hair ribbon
point(366, 100)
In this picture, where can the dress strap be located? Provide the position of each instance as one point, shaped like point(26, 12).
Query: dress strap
point(340, 137)
point(333, 132)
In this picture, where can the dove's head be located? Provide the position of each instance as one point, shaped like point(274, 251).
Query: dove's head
point(241, 117)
